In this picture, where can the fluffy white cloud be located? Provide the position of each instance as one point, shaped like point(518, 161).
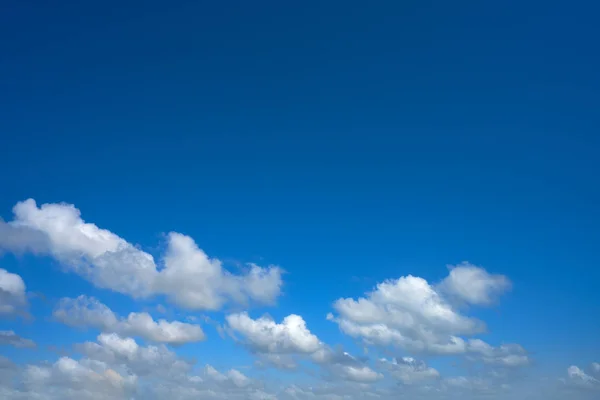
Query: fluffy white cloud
point(191, 278)
point(277, 343)
point(89, 312)
point(150, 360)
point(412, 314)
point(117, 367)
point(12, 339)
point(596, 367)
point(407, 312)
point(474, 285)
point(162, 374)
point(188, 278)
point(267, 336)
point(13, 298)
point(409, 371)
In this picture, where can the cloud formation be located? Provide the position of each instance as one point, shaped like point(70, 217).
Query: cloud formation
point(408, 320)
point(188, 277)
point(13, 298)
point(89, 312)
point(267, 336)
point(577, 377)
point(411, 314)
point(71, 379)
point(409, 370)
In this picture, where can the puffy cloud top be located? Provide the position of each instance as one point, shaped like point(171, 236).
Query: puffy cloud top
point(265, 335)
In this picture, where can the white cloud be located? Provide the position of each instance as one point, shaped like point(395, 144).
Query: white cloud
point(474, 285)
point(412, 314)
point(13, 298)
point(410, 371)
point(88, 312)
point(193, 280)
point(267, 336)
point(579, 378)
point(406, 312)
point(165, 375)
point(115, 367)
point(343, 365)
point(596, 367)
point(12, 339)
point(156, 361)
point(277, 343)
point(189, 277)
point(507, 355)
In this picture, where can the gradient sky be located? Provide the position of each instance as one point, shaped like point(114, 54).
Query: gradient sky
point(245, 172)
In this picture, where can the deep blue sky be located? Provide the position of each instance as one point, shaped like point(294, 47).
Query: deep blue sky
point(348, 142)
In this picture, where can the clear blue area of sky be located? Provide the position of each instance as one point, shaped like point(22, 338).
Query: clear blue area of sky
point(348, 142)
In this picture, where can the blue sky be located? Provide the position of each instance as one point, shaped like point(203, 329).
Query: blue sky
point(436, 160)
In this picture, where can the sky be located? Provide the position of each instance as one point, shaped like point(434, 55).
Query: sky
point(315, 200)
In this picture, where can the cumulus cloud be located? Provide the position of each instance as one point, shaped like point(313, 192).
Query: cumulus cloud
point(407, 312)
point(163, 374)
point(89, 312)
point(577, 377)
point(116, 367)
point(267, 336)
point(409, 370)
point(71, 379)
point(277, 343)
point(12, 339)
point(142, 360)
point(13, 298)
point(412, 314)
point(188, 277)
point(474, 285)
